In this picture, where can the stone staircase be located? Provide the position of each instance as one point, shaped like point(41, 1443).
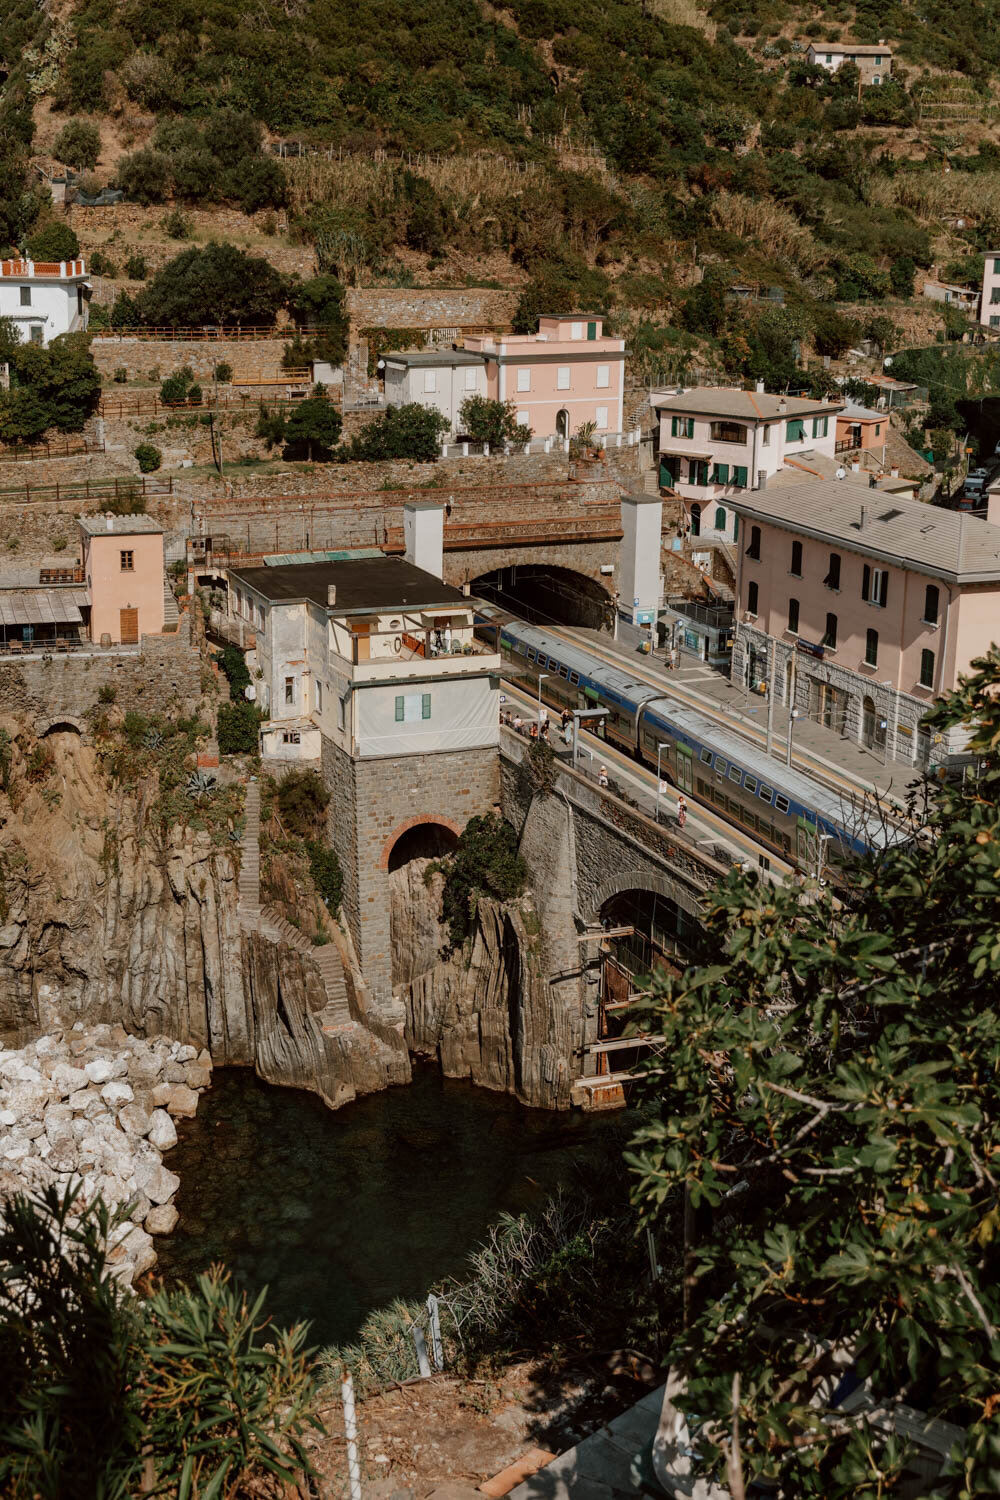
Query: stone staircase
point(171, 614)
point(336, 1014)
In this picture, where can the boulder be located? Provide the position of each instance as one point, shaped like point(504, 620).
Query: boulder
point(138, 1253)
point(116, 1094)
point(183, 1102)
point(162, 1130)
point(205, 1059)
point(86, 1102)
point(175, 1072)
point(69, 1080)
point(161, 1094)
point(100, 1070)
point(7, 1117)
point(156, 1182)
point(185, 1054)
point(197, 1077)
point(162, 1219)
point(134, 1120)
point(144, 1069)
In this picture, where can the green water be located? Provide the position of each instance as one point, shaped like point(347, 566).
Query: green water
point(338, 1212)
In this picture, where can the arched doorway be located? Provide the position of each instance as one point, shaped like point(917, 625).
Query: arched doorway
point(720, 518)
point(872, 725)
point(415, 890)
point(422, 841)
point(562, 423)
point(548, 595)
point(696, 520)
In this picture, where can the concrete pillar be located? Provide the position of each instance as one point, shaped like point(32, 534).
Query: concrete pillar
point(423, 535)
point(639, 570)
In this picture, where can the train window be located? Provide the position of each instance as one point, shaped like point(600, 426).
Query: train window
point(734, 773)
point(720, 765)
point(781, 804)
point(747, 815)
point(530, 653)
point(767, 792)
point(750, 782)
point(574, 677)
point(705, 756)
point(564, 671)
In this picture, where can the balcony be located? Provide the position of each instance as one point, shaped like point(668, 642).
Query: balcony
point(383, 652)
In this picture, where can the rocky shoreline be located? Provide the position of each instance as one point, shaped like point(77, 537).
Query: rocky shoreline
point(96, 1107)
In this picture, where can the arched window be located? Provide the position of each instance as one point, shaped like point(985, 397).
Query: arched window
point(927, 669)
point(752, 597)
point(754, 548)
point(793, 616)
point(871, 648)
point(720, 518)
point(830, 637)
point(832, 579)
point(931, 600)
point(796, 568)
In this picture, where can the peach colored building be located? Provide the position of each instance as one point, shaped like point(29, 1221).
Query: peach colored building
point(568, 373)
point(859, 427)
point(863, 610)
point(123, 574)
point(989, 301)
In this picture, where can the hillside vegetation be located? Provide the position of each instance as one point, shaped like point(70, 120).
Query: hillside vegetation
point(601, 154)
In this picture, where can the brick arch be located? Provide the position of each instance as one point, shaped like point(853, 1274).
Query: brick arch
point(401, 828)
point(47, 724)
point(644, 880)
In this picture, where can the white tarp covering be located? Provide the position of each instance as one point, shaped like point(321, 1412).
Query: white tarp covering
point(420, 717)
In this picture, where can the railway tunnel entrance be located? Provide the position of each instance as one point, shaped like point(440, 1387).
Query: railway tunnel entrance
point(548, 595)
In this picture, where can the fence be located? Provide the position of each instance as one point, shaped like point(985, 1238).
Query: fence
point(68, 448)
point(105, 489)
point(237, 334)
point(150, 405)
point(538, 445)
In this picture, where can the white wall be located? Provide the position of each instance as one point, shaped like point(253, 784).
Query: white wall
point(53, 307)
point(403, 386)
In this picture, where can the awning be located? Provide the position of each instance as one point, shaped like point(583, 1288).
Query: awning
point(687, 453)
point(42, 606)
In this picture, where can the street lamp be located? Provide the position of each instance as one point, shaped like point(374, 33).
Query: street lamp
point(541, 678)
point(795, 714)
point(663, 745)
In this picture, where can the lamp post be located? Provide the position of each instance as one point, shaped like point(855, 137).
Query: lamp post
point(822, 839)
point(541, 678)
point(659, 784)
point(795, 714)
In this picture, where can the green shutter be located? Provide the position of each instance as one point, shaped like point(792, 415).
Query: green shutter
point(690, 427)
point(740, 476)
point(721, 475)
point(425, 705)
point(673, 426)
point(399, 710)
point(736, 528)
point(591, 330)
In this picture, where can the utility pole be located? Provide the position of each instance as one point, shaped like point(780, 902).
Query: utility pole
point(770, 697)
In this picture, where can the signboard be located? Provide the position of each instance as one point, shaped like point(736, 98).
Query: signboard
point(644, 616)
point(809, 648)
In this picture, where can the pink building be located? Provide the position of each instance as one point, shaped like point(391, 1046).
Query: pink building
point(858, 427)
point(123, 573)
point(862, 610)
point(567, 374)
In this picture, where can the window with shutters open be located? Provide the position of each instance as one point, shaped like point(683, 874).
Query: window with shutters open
point(931, 604)
point(830, 634)
point(832, 579)
point(871, 648)
point(875, 585)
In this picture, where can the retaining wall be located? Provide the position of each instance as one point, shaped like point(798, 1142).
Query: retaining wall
point(155, 359)
point(433, 307)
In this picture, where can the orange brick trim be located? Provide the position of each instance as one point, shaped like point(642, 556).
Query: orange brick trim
point(397, 833)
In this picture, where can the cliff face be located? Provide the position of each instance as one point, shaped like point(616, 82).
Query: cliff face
point(102, 920)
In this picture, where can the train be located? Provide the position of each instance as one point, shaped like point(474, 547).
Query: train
point(805, 824)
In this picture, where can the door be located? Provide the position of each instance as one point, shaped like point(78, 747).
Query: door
point(696, 520)
point(362, 645)
point(685, 775)
point(868, 721)
point(129, 626)
point(562, 424)
point(803, 848)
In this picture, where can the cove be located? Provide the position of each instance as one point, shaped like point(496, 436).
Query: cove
point(339, 1211)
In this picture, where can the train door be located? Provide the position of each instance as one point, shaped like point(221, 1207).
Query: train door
point(685, 769)
point(803, 846)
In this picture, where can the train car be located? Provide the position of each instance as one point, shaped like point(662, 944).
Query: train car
point(803, 822)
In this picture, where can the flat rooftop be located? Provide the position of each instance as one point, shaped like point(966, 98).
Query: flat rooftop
point(437, 357)
point(364, 585)
point(750, 406)
point(104, 524)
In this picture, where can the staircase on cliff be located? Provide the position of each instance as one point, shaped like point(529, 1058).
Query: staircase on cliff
point(336, 1014)
point(171, 614)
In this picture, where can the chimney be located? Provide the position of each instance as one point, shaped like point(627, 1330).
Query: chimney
point(855, 466)
point(760, 387)
point(782, 406)
point(894, 472)
point(109, 522)
point(331, 595)
point(423, 535)
point(864, 517)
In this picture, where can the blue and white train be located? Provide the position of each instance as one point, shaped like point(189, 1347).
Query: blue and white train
point(780, 808)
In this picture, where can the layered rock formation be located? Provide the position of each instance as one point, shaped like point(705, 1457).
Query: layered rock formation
point(95, 1108)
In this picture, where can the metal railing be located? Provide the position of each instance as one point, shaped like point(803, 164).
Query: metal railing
point(66, 448)
point(105, 489)
point(236, 334)
point(151, 404)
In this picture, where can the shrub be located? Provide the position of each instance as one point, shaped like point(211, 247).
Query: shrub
point(135, 267)
point(485, 863)
point(148, 458)
point(177, 225)
point(78, 144)
point(311, 430)
point(410, 431)
point(121, 375)
point(54, 241)
point(214, 285)
point(302, 803)
point(328, 878)
point(238, 728)
point(106, 693)
point(102, 265)
point(223, 372)
point(144, 177)
point(901, 274)
point(493, 422)
point(175, 388)
point(234, 666)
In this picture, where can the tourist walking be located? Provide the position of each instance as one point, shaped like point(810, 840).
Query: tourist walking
point(602, 776)
point(682, 812)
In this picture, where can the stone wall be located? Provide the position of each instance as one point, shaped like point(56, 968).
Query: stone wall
point(162, 677)
point(372, 803)
point(433, 307)
point(153, 360)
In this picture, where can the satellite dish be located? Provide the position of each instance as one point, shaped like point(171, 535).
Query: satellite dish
point(887, 362)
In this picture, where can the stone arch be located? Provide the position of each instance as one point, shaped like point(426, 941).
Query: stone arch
point(422, 818)
point(644, 880)
point(61, 722)
point(548, 591)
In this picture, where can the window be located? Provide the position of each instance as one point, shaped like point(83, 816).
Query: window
point(996, 266)
point(341, 713)
point(752, 595)
point(26, 296)
point(289, 690)
point(754, 548)
point(720, 518)
point(522, 419)
point(470, 378)
point(821, 426)
point(698, 471)
point(319, 696)
point(780, 804)
point(796, 568)
point(576, 330)
point(728, 432)
point(832, 579)
point(766, 792)
point(721, 765)
point(878, 428)
point(995, 295)
point(430, 382)
point(766, 439)
point(260, 616)
point(35, 333)
point(562, 379)
point(830, 635)
point(591, 330)
point(795, 430)
point(736, 528)
point(603, 377)
point(750, 782)
point(871, 648)
point(601, 418)
point(875, 585)
point(927, 669)
point(931, 598)
point(682, 427)
point(128, 562)
point(290, 737)
point(79, 301)
point(740, 476)
point(411, 707)
point(734, 773)
point(705, 756)
point(793, 616)
point(720, 474)
point(524, 380)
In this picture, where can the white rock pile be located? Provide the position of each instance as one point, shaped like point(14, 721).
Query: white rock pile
point(96, 1107)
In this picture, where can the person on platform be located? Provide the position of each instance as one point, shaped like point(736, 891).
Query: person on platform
point(602, 776)
point(682, 811)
